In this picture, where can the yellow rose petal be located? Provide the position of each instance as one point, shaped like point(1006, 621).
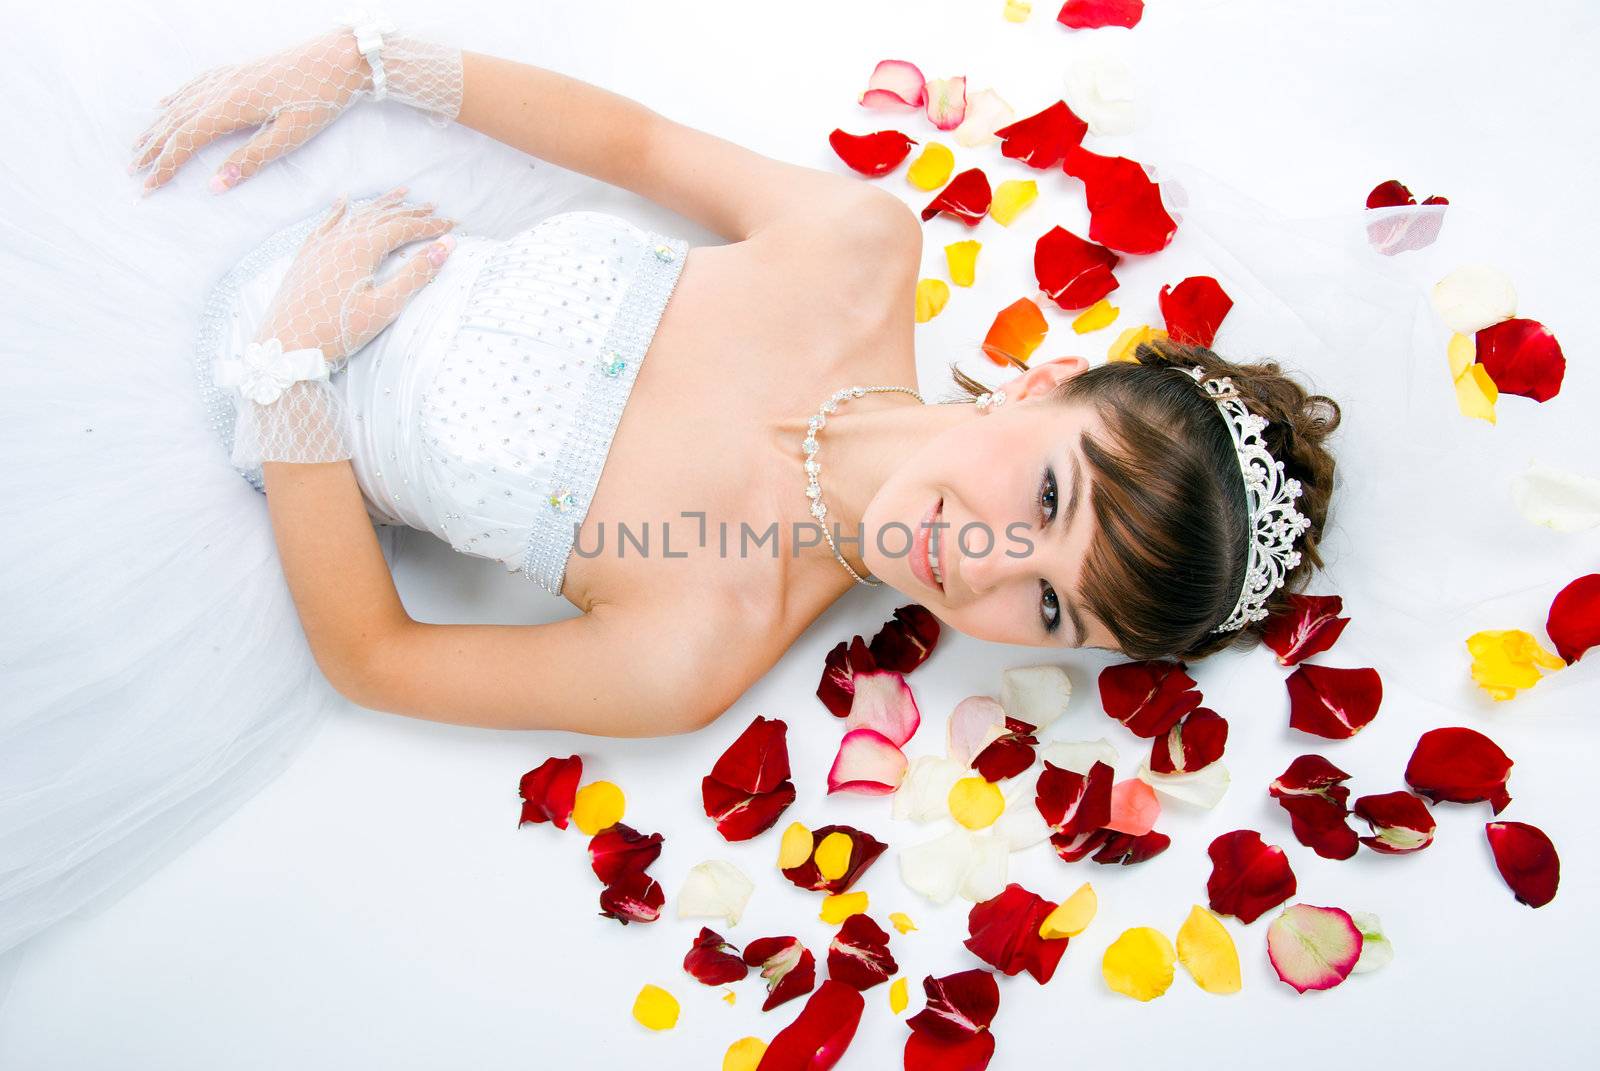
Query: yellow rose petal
point(1461, 351)
point(962, 257)
point(932, 296)
point(1010, 198)
point(1018, 10)
point(1207, 952)
point(1101, 314)
point(1476, 393)
point(729, 997)
point(976, 802)
point(655, 1008)
point(1504, 661)
point(1073, 916)
point(597, 805)
point(931, 169)
point(840, 906)
point(833, 855)
point(902, 922)
point(897, 996)
point(1139, 963)
point(744, 1055)
point(1122, 349)
point(795, 847)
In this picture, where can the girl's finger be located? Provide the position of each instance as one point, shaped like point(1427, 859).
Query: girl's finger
point(398, 232)
point(287, 132)
point(375, 308)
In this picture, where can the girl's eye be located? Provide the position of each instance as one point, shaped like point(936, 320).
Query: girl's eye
point(1047, 495)
point(1049, 607)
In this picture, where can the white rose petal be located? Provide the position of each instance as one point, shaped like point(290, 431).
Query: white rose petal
point(986, 876)
point(1558, 499)
point(1474, 297)
point(986, 113)
point(1101, 90)
point(1037, 695)
point(1021, 825)
point(715, 889)
point(924, 793)
point(1376, 951)
point(1202, 788)
point(1079, 756)
point(938, 868)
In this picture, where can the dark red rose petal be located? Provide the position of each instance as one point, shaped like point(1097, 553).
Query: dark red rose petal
point(742, 815)
point(1076, 847)
point(1526, 859)
point(758, 761)
point(820, 1034)
point(1193, 744)
point(966, 198)
point(1072, 272)
point(1459, 765)
point(1248, 878)
point(865, 848)
point(1148, 697)
point(619, 850)
point(713, 961)
point(1401, 823)
point(1126, 850)
point(634, 897)
point(1319, 823)
point(837, 689)
point(859, 954)
point(1311, 775)
point(1574, 621)
point(1333, 703)
point(872, 154)
point(1391, 194)
point(1195, 309)
point(1522, 358)
point(951, 1032)
point(787, 965)
point(1093, 14)
point(1072, 803)
point(905, 641)
point(1008, 755)
point(1004, 933)
point(1125, 209)
point(1309, 626)
point(1041, 140)
point(549, 791)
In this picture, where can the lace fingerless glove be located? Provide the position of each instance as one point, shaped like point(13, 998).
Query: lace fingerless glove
point(287, 408)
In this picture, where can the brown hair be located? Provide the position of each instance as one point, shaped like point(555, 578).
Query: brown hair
point(1169, 552)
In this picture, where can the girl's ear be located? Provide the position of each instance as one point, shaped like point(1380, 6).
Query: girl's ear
point(1044, 377)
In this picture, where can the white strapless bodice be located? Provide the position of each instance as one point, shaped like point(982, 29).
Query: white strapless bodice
point(484, 414)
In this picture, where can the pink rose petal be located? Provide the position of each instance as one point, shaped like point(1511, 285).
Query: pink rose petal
point(868, 762)
point(895, 84)
point(1134, 808)
point(883, 703)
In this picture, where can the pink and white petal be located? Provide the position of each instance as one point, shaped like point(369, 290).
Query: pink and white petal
point(986, 113)
point(938, 868)
point(924, 792)
point(947, 102)
point(1134, 808)
point(868, 762)
point(986, 876)
point(1202, 788)
point(1079, 756)
point(895, 84)
point(1313, 947)
point(883, 703)
point(974, 722)
point(1037, 695)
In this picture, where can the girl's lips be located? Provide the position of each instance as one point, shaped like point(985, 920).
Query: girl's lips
point(921, 566)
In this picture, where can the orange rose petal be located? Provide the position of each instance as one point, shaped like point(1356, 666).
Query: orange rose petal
point(1017, 331)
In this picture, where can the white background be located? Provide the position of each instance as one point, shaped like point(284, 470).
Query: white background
point(378, 907)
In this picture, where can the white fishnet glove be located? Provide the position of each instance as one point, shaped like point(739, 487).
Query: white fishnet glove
point(293, 94)
point(329, 305)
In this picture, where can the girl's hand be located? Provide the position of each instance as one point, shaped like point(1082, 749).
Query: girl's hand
point(330, 299)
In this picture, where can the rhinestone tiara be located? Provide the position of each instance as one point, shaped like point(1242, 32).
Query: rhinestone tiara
point(1274, 522)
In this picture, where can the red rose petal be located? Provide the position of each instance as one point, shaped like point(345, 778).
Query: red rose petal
point(951, 1032)
point(837, 689)
point(1125, 209)
point(1459, 765)
point(1312, 791)
point(1401, 823)
point(741, 815)
point(820, 1034)
point(1041, 140)
point(788, 966)
point(1526, 859)
point(1008, 755)
point(634, 897)
point(1004, 933)
point(1574, 621)
point(1333, 703)
point(1248, 878)
point(967, 198)
point(1195, 309)
point(548, 792)
point(1396, 232)
point(1093, 14)
point(1125, 850)
point(1311, 775)
point(1072, 803)
point(713, 961)
point(859, 954)
point(1391, 194)
point(1072, 272)
point(1522, 358)
point(1076, 847)
point(864, 849)
point(1148, 697)
point(906, 641)
point(1193, 744)
point(619, 850)
point(1309, 626)
point(758, 761)
point(872, 154)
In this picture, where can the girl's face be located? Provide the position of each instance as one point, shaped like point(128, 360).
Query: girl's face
point(988, 525)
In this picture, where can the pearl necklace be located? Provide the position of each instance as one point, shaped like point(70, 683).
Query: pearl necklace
point(808, 447)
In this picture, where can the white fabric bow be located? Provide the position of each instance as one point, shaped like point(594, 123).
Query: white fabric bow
point(266, 371)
